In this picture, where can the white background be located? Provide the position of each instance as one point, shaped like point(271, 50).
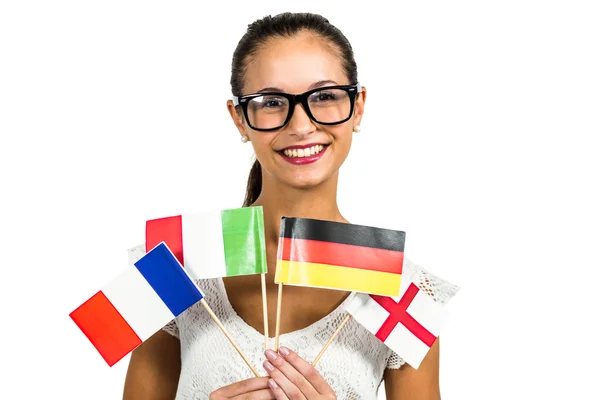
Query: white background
point(479, 140)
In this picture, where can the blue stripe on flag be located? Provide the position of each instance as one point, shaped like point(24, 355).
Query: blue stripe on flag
point(166, 276)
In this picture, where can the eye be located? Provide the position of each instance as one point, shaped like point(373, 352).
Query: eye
point(323, 96)
point(271, 102)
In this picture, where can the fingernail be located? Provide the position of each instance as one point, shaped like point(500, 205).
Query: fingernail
point(268, 366)
point(284, 351)
point(271, 355)
point(272, 384)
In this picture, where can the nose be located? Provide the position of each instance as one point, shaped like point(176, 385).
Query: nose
point(300, 124)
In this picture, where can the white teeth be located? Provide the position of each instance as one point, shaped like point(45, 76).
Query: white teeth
point(310, 151)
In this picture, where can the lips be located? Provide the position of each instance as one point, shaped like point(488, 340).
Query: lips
point(305, 154)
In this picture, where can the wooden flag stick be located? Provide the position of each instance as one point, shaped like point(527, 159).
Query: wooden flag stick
point(339, 328)
point(279, 293)
point(265, 310)
point(214, 317)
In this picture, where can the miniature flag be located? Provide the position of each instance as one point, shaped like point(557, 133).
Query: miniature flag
point(408, 324)
point(214, 244)
point(136, 304)
point(339, 256)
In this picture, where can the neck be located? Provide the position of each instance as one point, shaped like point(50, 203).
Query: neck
point(280, 200)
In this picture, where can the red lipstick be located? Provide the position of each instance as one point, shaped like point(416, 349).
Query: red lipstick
point(303, 160)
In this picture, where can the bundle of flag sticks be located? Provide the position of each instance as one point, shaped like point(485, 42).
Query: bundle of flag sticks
point(178, 250)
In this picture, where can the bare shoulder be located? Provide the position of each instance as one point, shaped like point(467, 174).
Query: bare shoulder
point(415, 384)
point(154, 369)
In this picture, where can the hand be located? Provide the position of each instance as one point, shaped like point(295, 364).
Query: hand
point(293, 378)
point(249, 389)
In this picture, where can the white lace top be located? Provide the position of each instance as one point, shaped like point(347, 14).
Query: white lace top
point(353, 365)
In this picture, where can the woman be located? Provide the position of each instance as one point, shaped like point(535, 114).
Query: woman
point(300, 143)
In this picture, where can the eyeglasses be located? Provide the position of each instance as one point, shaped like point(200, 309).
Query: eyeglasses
point(269, 111)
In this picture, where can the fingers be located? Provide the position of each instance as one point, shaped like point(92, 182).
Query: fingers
point(292, 382)
point(243, 387)
point(264, 394)
point(277, 391)
point(310, 373)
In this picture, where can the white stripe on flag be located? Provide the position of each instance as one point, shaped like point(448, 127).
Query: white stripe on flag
point(203, 248)
point(138, 303)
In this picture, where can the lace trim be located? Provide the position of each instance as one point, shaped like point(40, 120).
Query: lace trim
point(172, 328)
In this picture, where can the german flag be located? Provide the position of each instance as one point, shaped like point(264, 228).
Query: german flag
point(341, 256)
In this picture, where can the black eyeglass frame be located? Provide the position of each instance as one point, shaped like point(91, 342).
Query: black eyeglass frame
point(294, 99)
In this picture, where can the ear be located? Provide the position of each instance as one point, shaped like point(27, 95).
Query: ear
point(237, 117)
point(359, 106)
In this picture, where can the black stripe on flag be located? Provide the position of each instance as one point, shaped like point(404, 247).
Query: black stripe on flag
point(339, 232)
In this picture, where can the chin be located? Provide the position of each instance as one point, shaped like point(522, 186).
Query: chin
point(306, 181)
point(305, 185)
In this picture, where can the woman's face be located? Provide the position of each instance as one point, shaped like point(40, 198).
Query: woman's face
point(303, 153)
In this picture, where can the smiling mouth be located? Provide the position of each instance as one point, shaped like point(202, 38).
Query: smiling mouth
point(304, 152)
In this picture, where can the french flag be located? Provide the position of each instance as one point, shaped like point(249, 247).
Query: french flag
point(136, 304)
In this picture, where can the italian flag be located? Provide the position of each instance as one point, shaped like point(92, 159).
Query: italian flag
point(213, 244)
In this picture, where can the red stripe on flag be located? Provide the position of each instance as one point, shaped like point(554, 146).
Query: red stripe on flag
point(105, 328)
point(346, 255)
point(166, 230)
point(398, 314)
point(283, 248)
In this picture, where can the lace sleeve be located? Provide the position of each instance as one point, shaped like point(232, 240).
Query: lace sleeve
point(441, 291)
point(172, 328)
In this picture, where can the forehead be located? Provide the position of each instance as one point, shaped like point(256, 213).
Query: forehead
point(293, 65)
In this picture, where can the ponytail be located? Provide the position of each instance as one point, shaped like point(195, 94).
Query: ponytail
point(254, 184)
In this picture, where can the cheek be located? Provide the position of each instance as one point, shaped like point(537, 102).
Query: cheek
point(343, 137)
point(261, 141)
point(343, 144)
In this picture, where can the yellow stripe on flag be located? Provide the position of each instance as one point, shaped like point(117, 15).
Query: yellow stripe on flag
point(336, 277)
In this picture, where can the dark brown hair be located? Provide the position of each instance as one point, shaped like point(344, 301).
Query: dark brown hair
point(283, 25)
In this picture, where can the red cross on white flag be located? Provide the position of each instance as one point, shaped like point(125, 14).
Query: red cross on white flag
point(408, 324)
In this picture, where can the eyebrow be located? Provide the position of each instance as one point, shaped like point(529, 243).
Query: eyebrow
point(313, 86)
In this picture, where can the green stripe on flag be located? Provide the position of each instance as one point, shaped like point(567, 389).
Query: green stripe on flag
point(244, 241)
